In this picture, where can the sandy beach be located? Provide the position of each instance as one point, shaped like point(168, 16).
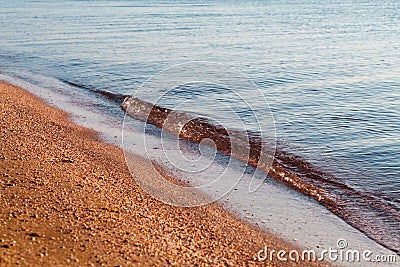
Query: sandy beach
point(68, 199)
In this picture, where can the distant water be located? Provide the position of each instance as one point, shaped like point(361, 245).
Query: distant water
point(330, 70)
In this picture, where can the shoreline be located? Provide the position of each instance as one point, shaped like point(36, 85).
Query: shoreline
point(68, 199)
point(266, 208)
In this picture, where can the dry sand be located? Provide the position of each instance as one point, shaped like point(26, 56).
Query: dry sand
point(68, 199)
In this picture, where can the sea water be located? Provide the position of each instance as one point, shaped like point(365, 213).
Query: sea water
point(328, 69)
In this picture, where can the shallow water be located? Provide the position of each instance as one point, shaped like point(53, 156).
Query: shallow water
point(329, 70)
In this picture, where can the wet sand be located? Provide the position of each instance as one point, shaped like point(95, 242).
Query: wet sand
point(68, 199)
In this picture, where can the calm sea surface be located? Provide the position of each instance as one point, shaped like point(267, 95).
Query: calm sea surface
point(330, 71)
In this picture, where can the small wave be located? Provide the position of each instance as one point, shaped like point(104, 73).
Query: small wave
point(117, 98)
point(287, 168)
